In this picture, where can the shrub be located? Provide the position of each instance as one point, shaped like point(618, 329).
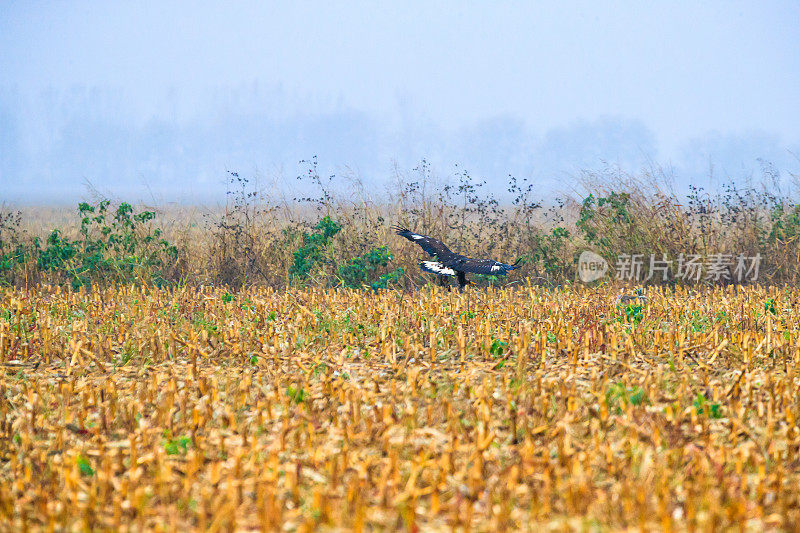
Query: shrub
point(364, 268)
point(310, 253)
point(120, 246)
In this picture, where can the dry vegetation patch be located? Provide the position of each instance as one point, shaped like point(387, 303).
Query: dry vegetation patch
point(142, 408)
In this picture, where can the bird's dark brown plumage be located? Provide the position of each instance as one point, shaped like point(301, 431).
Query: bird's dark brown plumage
point(448, 263)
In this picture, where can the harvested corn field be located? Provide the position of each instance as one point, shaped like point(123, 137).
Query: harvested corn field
point(520, 408)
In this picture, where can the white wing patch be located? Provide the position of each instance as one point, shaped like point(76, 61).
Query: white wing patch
point(495, 268)
point(437, 268)
point(417, 237)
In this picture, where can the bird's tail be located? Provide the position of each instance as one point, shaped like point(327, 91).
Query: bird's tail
point(435, 267)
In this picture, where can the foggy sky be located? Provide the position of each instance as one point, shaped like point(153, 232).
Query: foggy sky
point(158, 99)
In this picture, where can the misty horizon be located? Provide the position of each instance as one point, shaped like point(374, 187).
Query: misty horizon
point(152, 104)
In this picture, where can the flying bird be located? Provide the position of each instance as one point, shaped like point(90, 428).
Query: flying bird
point(448, 263)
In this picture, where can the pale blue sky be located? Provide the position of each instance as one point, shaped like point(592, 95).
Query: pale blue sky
point(166, 96)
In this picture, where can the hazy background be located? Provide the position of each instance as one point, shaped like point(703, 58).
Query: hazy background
point(156, 100)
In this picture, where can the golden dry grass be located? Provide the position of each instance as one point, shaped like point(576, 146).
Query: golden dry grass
point(136, 408)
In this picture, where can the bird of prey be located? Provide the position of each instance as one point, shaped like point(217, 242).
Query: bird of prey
point(448, 263)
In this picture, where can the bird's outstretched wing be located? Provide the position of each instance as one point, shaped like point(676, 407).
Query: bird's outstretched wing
point(489, 267)
point(435, 267)
point(429, 244)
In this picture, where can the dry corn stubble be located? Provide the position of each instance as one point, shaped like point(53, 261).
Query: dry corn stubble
point(138, 408)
